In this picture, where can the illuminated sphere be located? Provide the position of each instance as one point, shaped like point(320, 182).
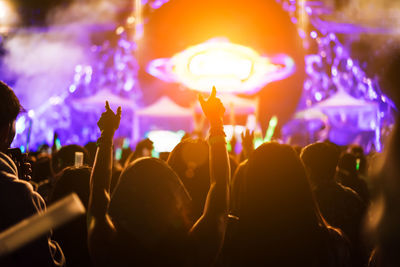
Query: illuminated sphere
point(260, 25)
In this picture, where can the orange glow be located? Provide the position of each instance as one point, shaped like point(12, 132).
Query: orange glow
point(229, 60)
point(230, 67)
point(8, 17)
point(222, 64)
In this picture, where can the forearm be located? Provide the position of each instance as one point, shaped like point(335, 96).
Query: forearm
point(209, 231)
point(218, 197)
point(100, 179)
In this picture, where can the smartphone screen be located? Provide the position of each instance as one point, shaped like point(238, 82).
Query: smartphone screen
point(78, 159)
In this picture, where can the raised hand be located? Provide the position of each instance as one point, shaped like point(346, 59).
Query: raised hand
point(213, 108)
point(247, 142)
point(247, 138)
point(109, 121)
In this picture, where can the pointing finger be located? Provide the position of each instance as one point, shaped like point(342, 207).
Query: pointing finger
point(213, 92)
point(119, 112)
point(107, 106)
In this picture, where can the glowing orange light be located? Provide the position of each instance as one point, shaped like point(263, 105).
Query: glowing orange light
point(4, 9)
point(219, 60)
point(8, 16)
point(230, 67)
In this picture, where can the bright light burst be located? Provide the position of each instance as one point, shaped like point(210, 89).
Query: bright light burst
point(7, 15)
point(230, 67)
point(3, 9)
point(165, 141)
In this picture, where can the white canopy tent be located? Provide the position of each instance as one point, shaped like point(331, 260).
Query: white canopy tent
point(163, 108)
point(99, 100)
point(347, 116)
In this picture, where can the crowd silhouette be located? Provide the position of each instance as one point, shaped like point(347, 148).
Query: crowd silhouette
point(276, 205)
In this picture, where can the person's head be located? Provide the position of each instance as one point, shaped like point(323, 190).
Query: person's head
point(65, 157)
point(41, 168)
point(276, 190)
point(9, 110)
point(320, 160)
point(72, 180)
point(91, 148)
point(189, 159)
point(149, 204)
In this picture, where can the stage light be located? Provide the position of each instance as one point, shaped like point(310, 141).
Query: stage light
point(72, 88)
point(119, 30)
point(6, 11)
point(130, 20)
point(313, 34)
point(3, 9)
point(164, 141)
point(318, 96)
point(232, 68)
point(234, 131)
point(8, 16)
point(31, 113)
point(20, 125)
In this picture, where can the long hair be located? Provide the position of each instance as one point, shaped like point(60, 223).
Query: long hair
point(148, 208)
point(279, 214)
point(190, 160)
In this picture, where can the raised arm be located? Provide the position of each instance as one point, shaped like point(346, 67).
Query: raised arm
point(100, 228)
point(208, 232)
point(247, 144)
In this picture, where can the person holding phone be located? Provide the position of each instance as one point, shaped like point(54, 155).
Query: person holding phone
point(18, 200)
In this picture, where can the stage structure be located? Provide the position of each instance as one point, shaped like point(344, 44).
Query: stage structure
point(353, 106)
point(162, 115)
point(333, 77)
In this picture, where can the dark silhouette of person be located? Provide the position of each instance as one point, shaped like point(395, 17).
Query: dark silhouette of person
point(348, 176)
point(42, 175)
point(341, 206)
point(65, 157)
point(72, 236)
point(237, 188)
point(143, 149)
point(144, 223)
point(279, 222)
point(190, 160)
point(18, 200)
point(385, 209)
point(358, 152)
point(91, 149)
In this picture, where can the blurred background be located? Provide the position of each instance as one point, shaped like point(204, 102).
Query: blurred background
point(296, 71)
